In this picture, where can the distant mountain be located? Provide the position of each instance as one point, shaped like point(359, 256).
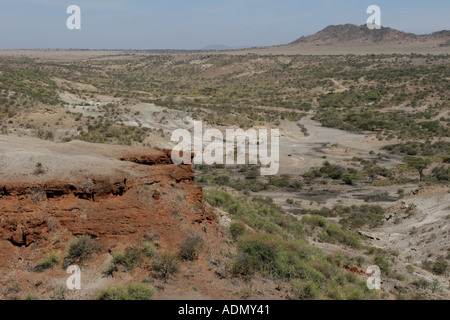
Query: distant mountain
point(350, 33)
point(347, 39)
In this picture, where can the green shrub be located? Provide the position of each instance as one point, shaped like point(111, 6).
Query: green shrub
point(260, 251)
point(316, 221)
point(356, 217)
point(260, 214)
point(332, 171)
point(271, 255)
point(348, 178)
point(30, 296)
point(149, 249)
point(252, 174)
point(80, 249)
point(222, 180)
point(133, 291)
point(237, 229)
point(129, 258)
point(166, 264)
point(441, 173)
point(440, 266)
point(48, 262)
point(309, 272)
point(278, 182)
point(335, 232)
point(118, 257)
point(110, 269)
point(304, 290)
point(353, 217)
point(241, 265)
point(351, 278)
point(398, 276)
point(410, 268)
point(421, 283)
point(359, 261)
point(427, 265)
point(427, 149)
point(190, 247)
point(382, 263)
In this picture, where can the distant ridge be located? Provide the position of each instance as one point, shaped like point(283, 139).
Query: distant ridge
point(350, 33)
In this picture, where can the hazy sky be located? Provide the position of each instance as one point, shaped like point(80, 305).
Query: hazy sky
point(194, 24)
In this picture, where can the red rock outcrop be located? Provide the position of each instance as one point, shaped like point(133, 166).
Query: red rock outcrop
point(116, 196)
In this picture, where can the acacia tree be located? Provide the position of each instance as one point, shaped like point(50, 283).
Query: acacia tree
point(419, 164)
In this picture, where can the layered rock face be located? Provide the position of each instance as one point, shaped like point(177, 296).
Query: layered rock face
point(51, 192)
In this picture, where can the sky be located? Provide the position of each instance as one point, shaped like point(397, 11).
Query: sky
point(195, 24)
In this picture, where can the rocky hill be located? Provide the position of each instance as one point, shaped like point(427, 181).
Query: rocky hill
point(351, 33)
